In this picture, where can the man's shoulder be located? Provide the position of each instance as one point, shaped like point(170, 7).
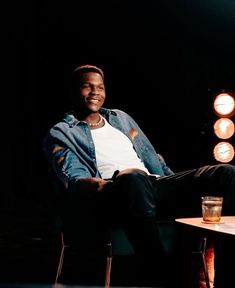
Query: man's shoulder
point(114, 111)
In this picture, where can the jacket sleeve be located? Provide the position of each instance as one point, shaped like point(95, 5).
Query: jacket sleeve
point(167, 170)
point(64, 162)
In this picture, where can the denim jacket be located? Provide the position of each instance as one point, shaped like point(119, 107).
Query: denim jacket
point(71, 152)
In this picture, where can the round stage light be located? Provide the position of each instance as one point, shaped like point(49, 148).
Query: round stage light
point(223, 152)
point(224, 128)
point(224, 104)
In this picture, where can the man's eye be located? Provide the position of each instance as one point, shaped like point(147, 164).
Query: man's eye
point(85, 86)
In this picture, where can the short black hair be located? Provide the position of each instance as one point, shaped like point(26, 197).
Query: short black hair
point(80, 70)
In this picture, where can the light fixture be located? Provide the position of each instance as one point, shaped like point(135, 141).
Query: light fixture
point(224, 108)
point(224, 128)
point(223, 152)
point(224, 104)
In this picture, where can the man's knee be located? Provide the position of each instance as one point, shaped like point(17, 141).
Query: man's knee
point(226, 168)
point(132, 172)
point(138, 192)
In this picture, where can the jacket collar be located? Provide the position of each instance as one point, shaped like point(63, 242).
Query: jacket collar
point(72, 121)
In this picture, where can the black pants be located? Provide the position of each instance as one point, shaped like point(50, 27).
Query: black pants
point(140, 195)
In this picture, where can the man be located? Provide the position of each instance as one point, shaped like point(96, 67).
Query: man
point(107, 163)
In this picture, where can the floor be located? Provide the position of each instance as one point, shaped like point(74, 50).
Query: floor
point(29, 249)
point(10, 285)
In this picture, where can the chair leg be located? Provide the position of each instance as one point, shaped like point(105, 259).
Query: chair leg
point(108, 265)
point(61, 260)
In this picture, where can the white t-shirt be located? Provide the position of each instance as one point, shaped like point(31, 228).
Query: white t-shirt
point(114, 151)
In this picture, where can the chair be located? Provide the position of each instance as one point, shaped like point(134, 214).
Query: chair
point(107, 267)
point(118, 254)
point(73, 242)
point(118, 249)
point(122, 258)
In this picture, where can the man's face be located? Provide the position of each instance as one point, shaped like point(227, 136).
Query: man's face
point(91, 92)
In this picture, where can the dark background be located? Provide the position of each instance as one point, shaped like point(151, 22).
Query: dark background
point(164, 61)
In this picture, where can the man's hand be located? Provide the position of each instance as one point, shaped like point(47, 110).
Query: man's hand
point(92, 185)
point(101, 183)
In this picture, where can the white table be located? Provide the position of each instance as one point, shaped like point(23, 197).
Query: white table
point(226, 226)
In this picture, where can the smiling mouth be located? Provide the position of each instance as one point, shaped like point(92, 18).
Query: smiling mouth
point(92, 100)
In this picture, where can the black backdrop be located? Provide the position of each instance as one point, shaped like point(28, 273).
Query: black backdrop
point(163, 62)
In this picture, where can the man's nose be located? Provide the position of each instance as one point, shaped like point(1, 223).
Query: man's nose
point(94, 90)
